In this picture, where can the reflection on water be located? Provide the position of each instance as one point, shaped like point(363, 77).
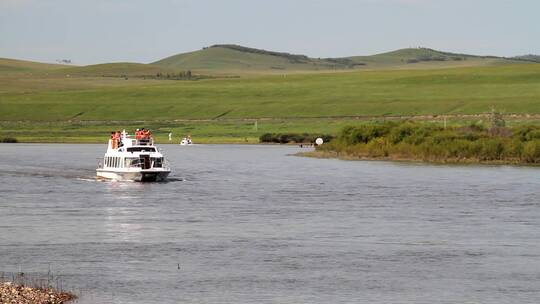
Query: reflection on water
point(249, 224)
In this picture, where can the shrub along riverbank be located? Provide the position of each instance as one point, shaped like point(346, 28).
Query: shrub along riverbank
point(286, 138)
point(434, 143)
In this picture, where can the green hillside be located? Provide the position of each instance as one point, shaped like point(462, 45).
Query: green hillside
point(234, 58)
point(413, 58)
point(237, 58)
point(530, 57)
point(115, 69)
point(14, 65)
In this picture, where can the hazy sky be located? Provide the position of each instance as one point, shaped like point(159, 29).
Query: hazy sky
point(100, 31)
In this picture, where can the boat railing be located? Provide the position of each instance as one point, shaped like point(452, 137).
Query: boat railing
point(138, 141)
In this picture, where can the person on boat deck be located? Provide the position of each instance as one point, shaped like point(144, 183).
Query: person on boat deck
point(115, 136)
point(147, 134)
point(138, 134)
point(112, 140)
point(119, 139)
point(142, 137)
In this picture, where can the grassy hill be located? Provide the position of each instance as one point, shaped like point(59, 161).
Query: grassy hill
point(14, 65)
point(115, 69)
point(414, 58)
point(237, 58)
point(234, 58)
point(530, 57)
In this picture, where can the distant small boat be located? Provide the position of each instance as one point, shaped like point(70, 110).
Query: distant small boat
point(133, 160)
point(186, 141)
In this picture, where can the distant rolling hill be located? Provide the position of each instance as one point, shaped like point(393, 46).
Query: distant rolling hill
point(115, 69)
point(428, 58)
point(14, 65)
point(530, 57)
point(228, 57)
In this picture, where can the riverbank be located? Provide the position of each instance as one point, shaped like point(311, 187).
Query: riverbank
point(226, 131)
point(451, 161)
point(492, 143)
point(20, 294)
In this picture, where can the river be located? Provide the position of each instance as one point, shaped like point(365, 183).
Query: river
point(253, 224)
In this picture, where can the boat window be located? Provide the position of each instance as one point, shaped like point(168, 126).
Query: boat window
point(131, 162)
point(141, 149)
point(158, 162)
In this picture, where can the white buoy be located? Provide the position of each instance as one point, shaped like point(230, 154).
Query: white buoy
point(319, 141)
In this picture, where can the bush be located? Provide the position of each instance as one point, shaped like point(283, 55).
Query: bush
point(491, 149)
point(401, 132)
point(431, 142)
point(377, 148)
point(365, 133)
point(522, 132)
point(531, 151)
point(293, 138)
point(266, 138)
point(9, 140)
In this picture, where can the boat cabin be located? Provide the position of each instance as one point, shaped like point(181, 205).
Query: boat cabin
point(132, 153)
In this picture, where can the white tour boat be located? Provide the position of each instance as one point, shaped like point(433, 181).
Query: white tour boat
point(133, 160)
point(186, 141)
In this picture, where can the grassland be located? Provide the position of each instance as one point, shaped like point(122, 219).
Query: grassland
point(514, 89)
point(75, 104)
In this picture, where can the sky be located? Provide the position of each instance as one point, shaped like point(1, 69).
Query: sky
point(99, 31)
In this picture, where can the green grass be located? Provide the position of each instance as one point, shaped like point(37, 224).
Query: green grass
point(233, 131)
point(53, 107)
point(513, 89)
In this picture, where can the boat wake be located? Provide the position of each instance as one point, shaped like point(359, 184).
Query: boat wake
point(104, 180)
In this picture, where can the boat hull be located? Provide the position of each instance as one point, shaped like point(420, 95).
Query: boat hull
point(137, 176)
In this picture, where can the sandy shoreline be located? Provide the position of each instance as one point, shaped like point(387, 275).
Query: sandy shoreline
point(20, 294)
